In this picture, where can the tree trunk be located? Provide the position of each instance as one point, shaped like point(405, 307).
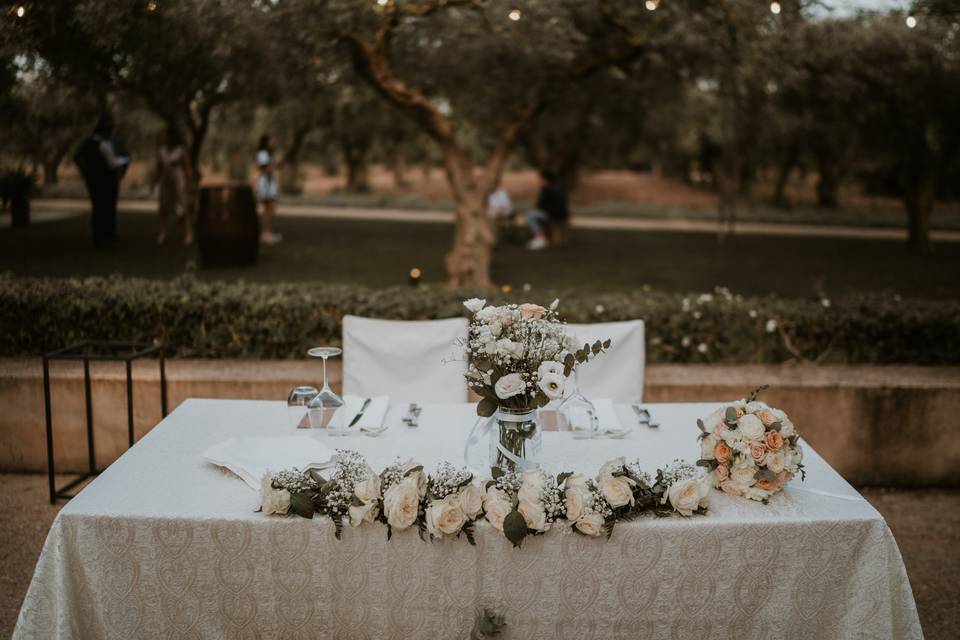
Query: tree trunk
point(290, 169)
point(51, 169)
point(398, 167)
point(355, 158)
point(827, 185)
point(919, 199)
point(784, 169)
point(468, 263)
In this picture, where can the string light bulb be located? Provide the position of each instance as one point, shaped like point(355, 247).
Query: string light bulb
point(514, 15)
point(652, 5)
point(151, 6)
point(21, 11)
point(415, 275)
point(775, 8)
point(911, 22)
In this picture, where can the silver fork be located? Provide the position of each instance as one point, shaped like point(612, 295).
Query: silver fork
point(643, 416)
point(412, 419)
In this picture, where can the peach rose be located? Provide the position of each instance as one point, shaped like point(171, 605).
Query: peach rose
point(784, 477)
point(766, 416)
point(766, 485)
point(722, 452)
point(758, 452)
point(532, 310)
point(774, 440)
point(728, 486)
point(722, 473)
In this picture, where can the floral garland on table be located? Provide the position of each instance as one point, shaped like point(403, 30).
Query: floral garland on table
point(750, 449)
point(447, 503)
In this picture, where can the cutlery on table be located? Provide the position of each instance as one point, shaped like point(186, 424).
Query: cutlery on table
point(413, 415)
point(356, 418)
point(643, 415)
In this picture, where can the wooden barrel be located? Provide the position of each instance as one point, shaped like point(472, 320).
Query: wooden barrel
point(227, 228)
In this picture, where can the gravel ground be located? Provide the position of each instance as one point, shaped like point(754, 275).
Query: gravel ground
point(926, 524)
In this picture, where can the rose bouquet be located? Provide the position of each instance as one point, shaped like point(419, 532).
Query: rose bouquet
point(519, 358)
point(751, 449)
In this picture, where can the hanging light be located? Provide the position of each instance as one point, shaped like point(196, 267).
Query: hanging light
point(911, 22)
point(20, 11)
point(514, 15)
point(652, 5)
point(775, 8)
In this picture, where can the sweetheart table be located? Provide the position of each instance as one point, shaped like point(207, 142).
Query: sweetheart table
point(165, 545)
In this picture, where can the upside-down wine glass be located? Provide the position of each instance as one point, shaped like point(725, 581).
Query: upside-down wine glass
point(327, 401)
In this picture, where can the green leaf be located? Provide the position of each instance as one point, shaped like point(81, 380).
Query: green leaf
point(562, 477)
point(607, 343)
point(413, 470)
point(756, 392)
point(486, 408)
point(515, 527)
point(730, 416)
point(496, 472)
point(569, 360)
point(302, 505)
point(766, 474)
point(596, 348)
point(701, 425)
point(776, 426)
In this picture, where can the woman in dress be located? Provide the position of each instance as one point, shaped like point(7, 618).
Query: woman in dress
point(267, 188)
point(173, 174)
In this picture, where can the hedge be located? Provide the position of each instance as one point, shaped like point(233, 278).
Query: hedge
point(196, 318)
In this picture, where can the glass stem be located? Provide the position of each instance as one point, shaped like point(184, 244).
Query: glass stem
point(326, 387)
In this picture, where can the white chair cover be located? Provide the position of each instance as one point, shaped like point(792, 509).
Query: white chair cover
point(408, 360)
point(618, 373)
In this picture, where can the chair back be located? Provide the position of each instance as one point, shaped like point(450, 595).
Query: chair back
point(618, 373)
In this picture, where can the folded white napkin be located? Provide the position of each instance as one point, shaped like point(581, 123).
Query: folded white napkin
point(250, 458)
point(606, 415)
point(372, 418)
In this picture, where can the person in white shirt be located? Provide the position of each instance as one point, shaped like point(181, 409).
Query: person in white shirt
point(102, 163)
point(267, 188)
point(499, 205)
point(173, 174)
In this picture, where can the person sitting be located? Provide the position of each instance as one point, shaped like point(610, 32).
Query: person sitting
point(551, 209)
point(499, 205)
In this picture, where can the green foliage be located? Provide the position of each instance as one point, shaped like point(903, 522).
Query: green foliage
point(202, 319)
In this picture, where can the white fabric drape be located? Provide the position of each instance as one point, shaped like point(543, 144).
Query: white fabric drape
point(165, 545)
point(407, 360)
point(617, 373)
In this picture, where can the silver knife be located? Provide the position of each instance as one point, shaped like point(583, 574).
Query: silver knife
point(356, 418)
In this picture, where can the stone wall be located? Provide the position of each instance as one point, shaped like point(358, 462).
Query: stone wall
point(875, 425)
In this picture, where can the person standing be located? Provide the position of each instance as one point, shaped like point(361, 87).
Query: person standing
point(173, 175)
point(102, 163)
point(551, 209)
point(267, 189)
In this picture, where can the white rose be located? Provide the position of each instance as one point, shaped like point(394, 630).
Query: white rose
point(487, 314)
point(364, 513)
point(492, 494)
point(509, 385)
point(534, 515)
point(445, 516)
point(756, 494)
point(421, 477)
point(401, 502)
point(786, 428)
point(735, 439)
point(273, 501)
point(507, 347)
point(753, 407)
point(475, 304)
point(550, 367)
point(590, 524)
point(552, 385)
point(531, 486)
point(368, 490)
point(496, 511)
point(471, 500)
point(744, 476)
point(707, 445)
point(617, 490)
point(776, 461)
point(751, 427)
point(610, 467)
point(686, 496)
point(576, 498)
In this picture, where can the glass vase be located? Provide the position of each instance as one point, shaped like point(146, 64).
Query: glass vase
point(516, 440)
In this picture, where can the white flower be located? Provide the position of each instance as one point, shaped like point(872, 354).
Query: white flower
point(489, 313)
point(744, 476)
point(686, 496)
point(550, 367)
point(475, 304)
point(401, 502)
point(590, 524)
point(534, 515)
point(554, 304)
point(616, 490)
point(776, 461)
point(735, 439)
point(421, 478)
point(532, 486)
point(577, 497)
point(756, 494)
point(552, 385)
point(702, 347)
point(445, 516)
point(611, 466)
point(509, 385)
point(366, 512)
point(496, 511)
point(507, 347)
point(471, 500)
point(751, 426)
point(756, 405)
point(771, 325)
point(707, 445)
point(273, 501)
point(368, 490)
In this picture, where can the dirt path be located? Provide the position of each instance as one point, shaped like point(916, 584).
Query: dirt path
point(45, 208)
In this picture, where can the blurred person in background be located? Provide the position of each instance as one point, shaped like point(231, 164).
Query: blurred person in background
point(173, 175)
point(267, 188)
point(551, 209)
point(102, 162)
point(499, 205)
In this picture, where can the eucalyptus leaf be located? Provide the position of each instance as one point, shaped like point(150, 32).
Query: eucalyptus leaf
point(486, 407)
point(730, 415)
point(302, 505)
point(515, 527)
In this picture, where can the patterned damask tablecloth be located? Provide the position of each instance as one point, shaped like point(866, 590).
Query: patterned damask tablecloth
point(164, 545)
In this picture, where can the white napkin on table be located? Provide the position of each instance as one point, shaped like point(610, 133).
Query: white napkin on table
point(607, 416)
point(372, 418)
point(250, 458)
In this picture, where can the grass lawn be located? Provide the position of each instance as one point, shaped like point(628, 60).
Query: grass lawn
point(380, 254)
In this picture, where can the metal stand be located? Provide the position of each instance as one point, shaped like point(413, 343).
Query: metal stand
point(109, 351)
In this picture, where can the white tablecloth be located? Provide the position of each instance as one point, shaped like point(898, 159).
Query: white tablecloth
point(164, 545)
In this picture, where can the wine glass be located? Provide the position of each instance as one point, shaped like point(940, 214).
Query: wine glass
point(326, 401)
point(298, 402)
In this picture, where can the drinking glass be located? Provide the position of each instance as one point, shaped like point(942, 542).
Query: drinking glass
point(325, 404)
point(297, 403)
